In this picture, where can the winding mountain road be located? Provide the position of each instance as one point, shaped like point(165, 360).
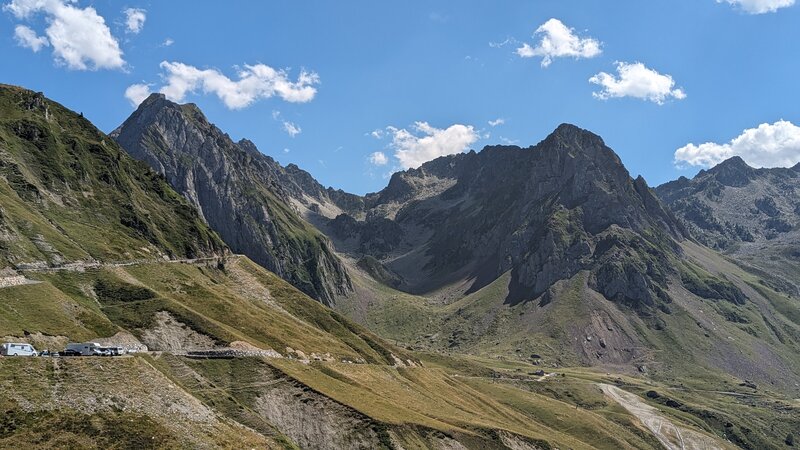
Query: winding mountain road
point(17, 279)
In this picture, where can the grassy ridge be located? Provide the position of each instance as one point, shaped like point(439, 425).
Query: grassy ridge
point(68, 193)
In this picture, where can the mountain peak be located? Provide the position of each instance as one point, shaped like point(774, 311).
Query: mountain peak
point(734, 162)
point(570, 131)
point(157, 101)
point(732, 172)
point(154, 97)
point(569, 128)
point(570, 137)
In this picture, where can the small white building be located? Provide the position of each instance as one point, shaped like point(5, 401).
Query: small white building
point(17, 349)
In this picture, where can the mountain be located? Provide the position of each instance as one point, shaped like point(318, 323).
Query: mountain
point(244, 195)
point(98, 247)
point(108, 238)
point(556, 255)
point(750, 214)
point(543, 214)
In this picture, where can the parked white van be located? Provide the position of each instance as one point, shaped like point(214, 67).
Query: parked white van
point(17, 349)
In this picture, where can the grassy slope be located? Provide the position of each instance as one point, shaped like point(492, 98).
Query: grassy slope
point(703, 345)
point(240, 302)
point(412, 400)
point(244, 302)
point(738, 414)
point(757, 338)
point(69, 193)
point(434, 399)
point(93, 403)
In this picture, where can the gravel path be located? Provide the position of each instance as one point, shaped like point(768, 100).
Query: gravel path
point(672, 436)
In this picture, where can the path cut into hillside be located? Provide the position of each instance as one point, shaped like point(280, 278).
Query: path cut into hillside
point(15, 279)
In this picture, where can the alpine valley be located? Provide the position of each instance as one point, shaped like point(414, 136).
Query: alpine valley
point(519, 298)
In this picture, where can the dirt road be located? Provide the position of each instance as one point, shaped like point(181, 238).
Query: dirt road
point(672, 436)
point(83, 265)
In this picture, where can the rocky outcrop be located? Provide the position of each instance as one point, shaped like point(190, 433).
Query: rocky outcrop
point(247, 197)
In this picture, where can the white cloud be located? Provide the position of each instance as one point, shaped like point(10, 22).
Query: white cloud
point(768, 145)
point(378, 158)
point(255, 82)
point(507, 41)
point(136, 93)
point(291, 128)
point(759, 6)
point(167, 42)
point(28, 38)
point(636, 80)
point(377, 134)
point(23, 9)
point(411, 149)
point(496, 122)
point(134, 19)
point(80, 38)
point(558, 41)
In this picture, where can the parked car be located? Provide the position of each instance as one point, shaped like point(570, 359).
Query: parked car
point(69, 352)
point(17, 349)
point(114, 351)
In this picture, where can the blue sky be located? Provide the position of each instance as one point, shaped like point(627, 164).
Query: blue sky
point(430, 76)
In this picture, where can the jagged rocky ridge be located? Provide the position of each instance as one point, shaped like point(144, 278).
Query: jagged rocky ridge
point(247, 197)
point(544, 213)
point(751, 214)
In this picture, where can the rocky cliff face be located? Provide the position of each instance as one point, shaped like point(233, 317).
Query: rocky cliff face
point(544, 213)
point(247, 197)
point(752, 214)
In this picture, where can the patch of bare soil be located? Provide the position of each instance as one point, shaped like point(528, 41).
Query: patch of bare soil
point(312, 420)
point(169, 334)
point(123, 339)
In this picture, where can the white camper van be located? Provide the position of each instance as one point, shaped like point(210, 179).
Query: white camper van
point(17, 349)
point(87, 349)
